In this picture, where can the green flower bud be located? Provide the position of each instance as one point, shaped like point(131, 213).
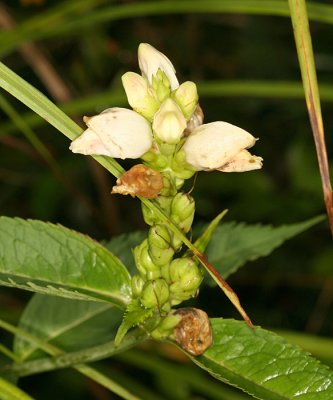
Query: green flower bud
point(155, 294)
point(145, 265)
point(182, 211)
point(149, 215)
point(186, 96)
point(139, 95)
point(180, 167)
point(161, 85)
point(137, 284)
point(160, 249)
point(165, 328)
point(186, 278)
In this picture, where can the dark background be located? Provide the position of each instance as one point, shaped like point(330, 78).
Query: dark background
point(290, 289)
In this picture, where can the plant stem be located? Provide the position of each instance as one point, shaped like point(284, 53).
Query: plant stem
point(84, 369)
point(303, 41)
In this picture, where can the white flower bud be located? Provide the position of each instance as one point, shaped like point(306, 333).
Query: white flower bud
point(138, 94)
point(186, 96)
point(242, 162)
point(212, 146)
point(151, 60)
point(117, 133)
point(169, 122)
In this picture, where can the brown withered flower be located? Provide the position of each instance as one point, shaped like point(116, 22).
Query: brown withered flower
point(193, 333)
point(139, 181)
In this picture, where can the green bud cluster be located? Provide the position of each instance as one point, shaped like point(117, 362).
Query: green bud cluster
point(162, 280)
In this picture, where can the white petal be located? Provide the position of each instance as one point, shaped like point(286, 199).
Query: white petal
point(210, 146)
point(150, 60)
point(117, 133)
point(242, 162)
point(88, 143)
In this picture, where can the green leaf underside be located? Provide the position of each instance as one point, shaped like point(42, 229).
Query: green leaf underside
point(11, 392)
point(61, 321)
point(233, 244)
point(135, 315)
point(264, 364)
point(51, 259)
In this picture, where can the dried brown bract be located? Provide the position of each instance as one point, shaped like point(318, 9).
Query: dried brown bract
point(193, 332)
point(140, 181)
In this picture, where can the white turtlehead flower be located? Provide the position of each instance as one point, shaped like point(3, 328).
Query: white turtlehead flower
point(117, 133)
point(151, 60)
point(220, 145)
point(139, 95)
point(169, 122)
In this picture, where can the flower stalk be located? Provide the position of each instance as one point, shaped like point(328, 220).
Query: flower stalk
point(165, 129)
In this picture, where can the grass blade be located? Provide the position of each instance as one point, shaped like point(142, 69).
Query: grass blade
point(303, 41)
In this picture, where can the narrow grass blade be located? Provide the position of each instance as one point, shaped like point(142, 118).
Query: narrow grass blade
point(303, 41)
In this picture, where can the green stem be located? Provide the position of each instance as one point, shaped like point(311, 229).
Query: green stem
point(91, 354)
point(8, 353)
point(11, 392)
point(84, 369)
point(300, 22)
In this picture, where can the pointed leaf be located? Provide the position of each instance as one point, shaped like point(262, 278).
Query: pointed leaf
point(61, 321)
point(233, 244)
point(135, 314)
point(51, 259)
point(264, 364)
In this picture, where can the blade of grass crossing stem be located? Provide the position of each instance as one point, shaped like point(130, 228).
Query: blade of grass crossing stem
point(44, 107)
point(84, 369)
point(303, 41)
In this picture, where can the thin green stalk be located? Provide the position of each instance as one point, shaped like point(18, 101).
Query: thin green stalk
point(11, 392)
point(84, 369)
point(42, 106)
point(8, 353)
point(91, 354)
point(303, 41)
point(9, 41)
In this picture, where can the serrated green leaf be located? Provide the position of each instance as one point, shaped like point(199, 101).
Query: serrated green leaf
point(61, 321)
point(51, 259)
point(11, 392)
point(134, 315)
point(264, 364)
point(233, 244)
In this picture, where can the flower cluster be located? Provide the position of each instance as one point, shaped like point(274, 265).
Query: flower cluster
point(165, 113)
point(165, 129)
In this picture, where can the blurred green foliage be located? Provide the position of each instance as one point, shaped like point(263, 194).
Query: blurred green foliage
point(288, 290)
